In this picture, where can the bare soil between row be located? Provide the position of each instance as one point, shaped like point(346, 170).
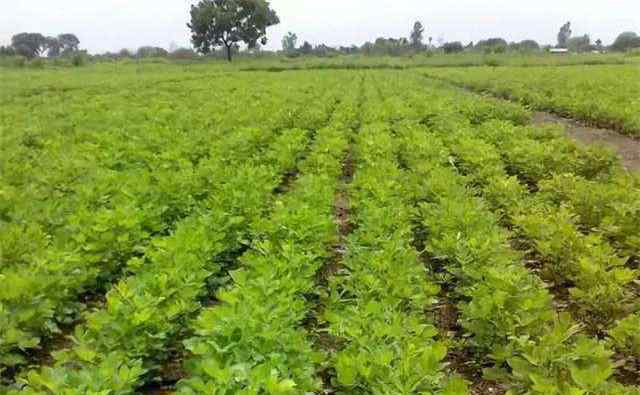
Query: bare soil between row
point(627, 147)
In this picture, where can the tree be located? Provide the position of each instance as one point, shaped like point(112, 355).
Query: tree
point(53, 47)
point(599, 44)
point(68, 43)
point(29, 45)
point(306, 48)
point(7, 51)
point(227, 22)
point(151, 52)
point(492, 45)
point(125, 53)
point(579, 44)
point(564, 35)
point(416, 36)
point(289, 42)
point(183, 53)
point(452, 47)
point(626, 41)
point(526, 46)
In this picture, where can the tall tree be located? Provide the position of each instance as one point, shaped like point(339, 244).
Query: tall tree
point(416, 36)
point(579, 44)
point(227, 22)
point(599, 44)
point(289, 42)
point(306, 48)
point(7, 51)
point(29, 45)
point(564, 35)
point(68, 42)
point(53, 47)
point(626, 41)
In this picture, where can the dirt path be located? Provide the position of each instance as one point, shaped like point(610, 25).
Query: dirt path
point(627, 147)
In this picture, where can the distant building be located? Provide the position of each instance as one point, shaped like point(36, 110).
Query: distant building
point(559, 51)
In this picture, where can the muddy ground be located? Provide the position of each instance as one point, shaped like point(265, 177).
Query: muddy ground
point(627, 147)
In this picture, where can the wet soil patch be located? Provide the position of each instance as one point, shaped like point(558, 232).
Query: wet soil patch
point(627, 147)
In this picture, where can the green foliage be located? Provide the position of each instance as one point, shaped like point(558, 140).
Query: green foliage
point(601, 95)
point(417, 35)
point(289, 42)
point(29, 45)
point(625, 335)
point(169, 199)
point(626, 41)
point(564, 35)
point(375, 308)
point(579, 44)
point(228, 22)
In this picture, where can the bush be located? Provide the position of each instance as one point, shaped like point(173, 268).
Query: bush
point(633, 53)
point(453, 47)
point(492, 62)
point(626, 41)
point(78, 60)
point(13, 61)
point(37, 63)
point(183, 54)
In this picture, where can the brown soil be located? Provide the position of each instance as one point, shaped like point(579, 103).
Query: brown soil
point(341, 213)
point(460, 359)
point(627, 147)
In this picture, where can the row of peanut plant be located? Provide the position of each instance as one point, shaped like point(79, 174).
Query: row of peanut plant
point(27, 315)
point(98, 241)
point(119, 343)
point(253, 341)
point(506, 309)
point(375, 306)
point(582, 224)
point(603, 95)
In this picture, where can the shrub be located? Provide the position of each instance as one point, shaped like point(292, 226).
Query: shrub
point(453, 47)
point(78, 60)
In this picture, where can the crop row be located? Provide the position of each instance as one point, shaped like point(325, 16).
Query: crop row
point(252, 341)
point(375, 309)
point(604, 95)
point(97, 242)
point(599, 285)
point(142, 315)
point(507, 310)
point(83, 153)
point(584, 202)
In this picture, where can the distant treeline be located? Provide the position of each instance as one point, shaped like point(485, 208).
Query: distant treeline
point(36, 45)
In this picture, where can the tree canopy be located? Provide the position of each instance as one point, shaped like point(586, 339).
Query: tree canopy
point(289, 42)
point(417, 34)
point(68, 43)
point(452, 47)
point(32, 45)
point(579, 44)
point(228, 22)
point(564, 35)
point(29, 45)
point(626, 41)
point(492, 45)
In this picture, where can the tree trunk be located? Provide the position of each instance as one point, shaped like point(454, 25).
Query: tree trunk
point(228, 52)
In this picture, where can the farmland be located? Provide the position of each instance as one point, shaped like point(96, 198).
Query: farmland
point(605, 96)
point(195, 229)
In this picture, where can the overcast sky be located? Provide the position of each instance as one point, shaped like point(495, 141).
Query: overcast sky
point(109, 25)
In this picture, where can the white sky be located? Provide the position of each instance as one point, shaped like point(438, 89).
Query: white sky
point(111, 25)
